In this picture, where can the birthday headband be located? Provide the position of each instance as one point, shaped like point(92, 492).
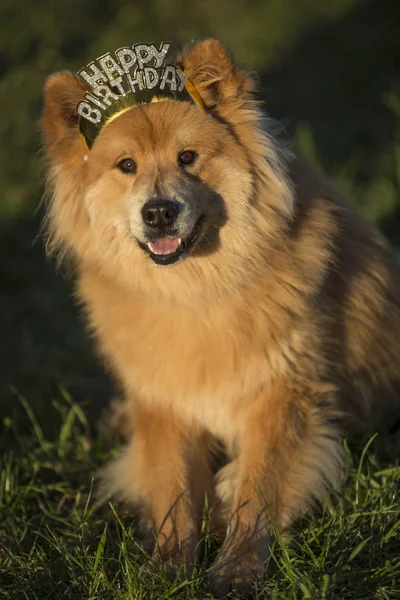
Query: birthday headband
point(130, 77)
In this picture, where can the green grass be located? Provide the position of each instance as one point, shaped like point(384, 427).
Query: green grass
point(55, 543)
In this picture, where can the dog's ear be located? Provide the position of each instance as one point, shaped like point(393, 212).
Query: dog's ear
point(213, 72)
point(60, 122)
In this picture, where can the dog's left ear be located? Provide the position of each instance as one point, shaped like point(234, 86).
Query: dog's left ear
point(211, 69)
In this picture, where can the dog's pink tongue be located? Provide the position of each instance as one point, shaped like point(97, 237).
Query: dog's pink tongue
point(165, 245)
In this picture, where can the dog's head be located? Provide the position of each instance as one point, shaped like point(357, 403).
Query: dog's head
point(166, 183)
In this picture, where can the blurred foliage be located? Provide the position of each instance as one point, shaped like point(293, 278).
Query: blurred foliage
point(340, 88)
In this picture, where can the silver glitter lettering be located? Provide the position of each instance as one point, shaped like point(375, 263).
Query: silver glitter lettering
point(136, 80)
point(145, 54)
point(126, 58)
point(160, 54)
point(182, 78)
point(88, 112)
point(117, 82)
point(106, 94)
point(169, 77)
point(110, 67)
point(95, 100)
point(150, 77)
point(95, 78)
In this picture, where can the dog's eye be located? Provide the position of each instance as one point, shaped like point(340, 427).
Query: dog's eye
point(187, 157)
point(127, 165)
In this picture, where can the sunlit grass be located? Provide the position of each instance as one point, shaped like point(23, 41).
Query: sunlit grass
point(55, 543)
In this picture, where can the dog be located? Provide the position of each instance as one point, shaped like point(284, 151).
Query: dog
point(238, 301)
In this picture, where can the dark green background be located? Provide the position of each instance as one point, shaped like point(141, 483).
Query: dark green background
point(329, 73)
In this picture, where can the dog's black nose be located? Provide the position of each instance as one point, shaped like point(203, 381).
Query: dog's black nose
point(160, 213)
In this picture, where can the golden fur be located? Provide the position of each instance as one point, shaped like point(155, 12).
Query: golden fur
point(275, 337)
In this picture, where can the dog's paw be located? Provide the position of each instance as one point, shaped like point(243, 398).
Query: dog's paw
point(237, 574)
point(177, 562)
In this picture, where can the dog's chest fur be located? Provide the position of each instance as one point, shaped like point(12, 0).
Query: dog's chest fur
point(200, 364)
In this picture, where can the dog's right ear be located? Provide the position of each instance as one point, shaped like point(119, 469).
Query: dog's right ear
point(60, 122)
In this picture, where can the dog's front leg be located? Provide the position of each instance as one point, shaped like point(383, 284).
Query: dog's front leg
point(287, 453)
point(171, 475)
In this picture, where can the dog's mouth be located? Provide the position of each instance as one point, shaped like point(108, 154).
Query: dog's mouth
point(169, 250)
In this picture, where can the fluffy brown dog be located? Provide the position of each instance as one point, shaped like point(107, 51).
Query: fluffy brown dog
point(275, 327)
